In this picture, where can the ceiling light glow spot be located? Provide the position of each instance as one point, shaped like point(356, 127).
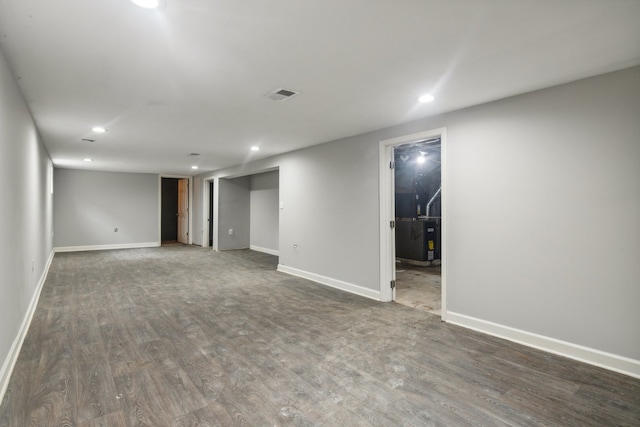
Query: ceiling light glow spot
point(421, 159)
point(147, 4)
point(426, 98)
point(86, 159)
point(255, 148)
point(98, 129)
point(194, 167)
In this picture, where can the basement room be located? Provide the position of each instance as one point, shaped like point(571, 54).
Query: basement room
point(322, 213)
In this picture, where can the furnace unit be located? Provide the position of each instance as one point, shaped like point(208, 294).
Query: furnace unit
point(418, 239)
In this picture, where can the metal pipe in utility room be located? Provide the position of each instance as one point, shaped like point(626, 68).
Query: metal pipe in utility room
point(431, 201)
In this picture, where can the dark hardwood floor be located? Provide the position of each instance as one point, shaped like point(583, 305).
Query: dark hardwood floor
point(183, 336)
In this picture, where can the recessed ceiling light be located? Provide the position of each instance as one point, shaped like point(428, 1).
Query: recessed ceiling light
point(86, 159)
point(426, 98)
point(98, 129)
point(194, 167)
point(147, 4)
point(255, 148)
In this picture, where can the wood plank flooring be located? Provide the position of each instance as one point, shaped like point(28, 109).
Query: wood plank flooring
point(183, 336)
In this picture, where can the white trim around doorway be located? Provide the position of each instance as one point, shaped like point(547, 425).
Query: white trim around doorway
point(387, 211)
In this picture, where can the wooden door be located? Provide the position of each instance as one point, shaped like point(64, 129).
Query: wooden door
point(183, 210)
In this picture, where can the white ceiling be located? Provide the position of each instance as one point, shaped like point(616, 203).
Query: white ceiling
point(191, 76)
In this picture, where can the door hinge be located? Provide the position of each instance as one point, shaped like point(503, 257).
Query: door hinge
point(393, 284)
point(392, 165)
point(392, 224)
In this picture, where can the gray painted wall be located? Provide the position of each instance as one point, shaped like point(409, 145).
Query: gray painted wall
point(89, 205)
point(544, 198)
point(264, 211)
point(330, 197)
point(233, 213)
point(543, 206)
point(26, 212)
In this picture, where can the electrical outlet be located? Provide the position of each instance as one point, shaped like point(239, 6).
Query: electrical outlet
point(231, 232)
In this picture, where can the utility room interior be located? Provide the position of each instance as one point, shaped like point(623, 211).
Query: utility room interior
point(418, 231)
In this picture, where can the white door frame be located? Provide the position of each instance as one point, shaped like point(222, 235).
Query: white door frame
point(387, 212)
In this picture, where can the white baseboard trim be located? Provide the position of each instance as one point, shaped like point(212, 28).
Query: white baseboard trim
point(107, 247)
point(16, 346)
point(334, 283)
point(265, 250)
point(613, 362)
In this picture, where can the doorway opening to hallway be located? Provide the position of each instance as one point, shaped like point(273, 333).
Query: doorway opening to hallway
point(174, 212)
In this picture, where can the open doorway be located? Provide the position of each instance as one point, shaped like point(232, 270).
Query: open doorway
point(413, 221)
point(169, 211)
point(210, 217)
point(244, 212)
point(418, 220)
point(174, 212)
point(209, 213)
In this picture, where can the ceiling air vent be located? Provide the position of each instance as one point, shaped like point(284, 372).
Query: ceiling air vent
point(281, 94)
